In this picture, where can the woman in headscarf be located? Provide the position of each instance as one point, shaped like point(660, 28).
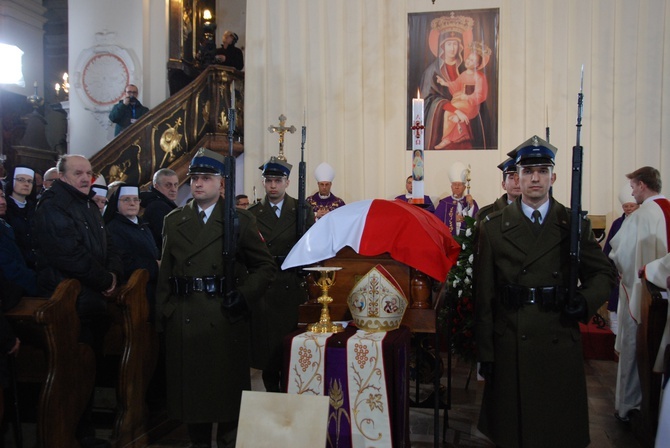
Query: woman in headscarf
point(132, 238)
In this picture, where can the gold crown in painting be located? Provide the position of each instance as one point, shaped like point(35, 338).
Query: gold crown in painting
point(480, 48)
point(453, 23)
point(377, 302)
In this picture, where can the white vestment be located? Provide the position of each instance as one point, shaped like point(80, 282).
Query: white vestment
point(641, 239)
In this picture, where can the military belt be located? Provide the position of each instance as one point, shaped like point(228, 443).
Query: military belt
point(184, 286)
point(547, 297)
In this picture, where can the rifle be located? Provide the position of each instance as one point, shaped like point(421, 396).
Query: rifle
point(232, 223)
point(576, 213)
point(301, 222)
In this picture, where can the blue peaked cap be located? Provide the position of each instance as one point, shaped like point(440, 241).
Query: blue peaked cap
point(276, 167)
point(508, 166)
point(534, 151)
point(207, 161)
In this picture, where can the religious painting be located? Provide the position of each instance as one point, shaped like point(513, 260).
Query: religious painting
point(453, 69)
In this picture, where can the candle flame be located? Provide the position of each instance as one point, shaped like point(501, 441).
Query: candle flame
point(418, 94)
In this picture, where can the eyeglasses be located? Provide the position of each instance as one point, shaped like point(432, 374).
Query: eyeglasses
point(48, 180)
point(129, 200)
point(23, 180)
point(134, 92)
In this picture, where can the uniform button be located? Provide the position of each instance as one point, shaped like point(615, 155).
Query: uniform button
point(554, 274)
point(524, 272)
point(188, 263)
point(524, 337)
point(187, 320)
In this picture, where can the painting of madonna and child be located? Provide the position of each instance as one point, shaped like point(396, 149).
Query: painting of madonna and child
point(453, 65)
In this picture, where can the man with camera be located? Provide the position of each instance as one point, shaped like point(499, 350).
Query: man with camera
point(128, 110)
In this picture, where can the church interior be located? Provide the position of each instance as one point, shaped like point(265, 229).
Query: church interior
point(336, 82)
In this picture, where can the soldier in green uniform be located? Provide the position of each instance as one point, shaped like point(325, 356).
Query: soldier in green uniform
point(207, 332)
point(510, 183)
point(527, 331)
point(277, 314)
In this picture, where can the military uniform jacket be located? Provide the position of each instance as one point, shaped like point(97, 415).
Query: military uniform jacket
point(207, 354)
point(277, 313)
point(498, 205)
point(537, 395)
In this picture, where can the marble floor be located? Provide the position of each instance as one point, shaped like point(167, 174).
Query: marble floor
point(605, 430)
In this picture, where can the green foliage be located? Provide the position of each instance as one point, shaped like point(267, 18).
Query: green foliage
point(457, 315)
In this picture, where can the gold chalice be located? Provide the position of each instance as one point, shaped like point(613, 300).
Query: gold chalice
point(325, 282)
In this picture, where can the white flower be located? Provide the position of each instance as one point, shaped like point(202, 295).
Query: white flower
point(466, 281)
point(460, 293)
point(471, 258)
point(456, 283)
point(464, 248)
point(468, 271)
point(468, 232)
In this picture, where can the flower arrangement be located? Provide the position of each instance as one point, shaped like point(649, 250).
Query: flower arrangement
point(457, 315)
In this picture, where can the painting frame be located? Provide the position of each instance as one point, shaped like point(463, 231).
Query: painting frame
point(453, 64)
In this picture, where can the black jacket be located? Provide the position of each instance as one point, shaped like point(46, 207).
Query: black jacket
point(71, 241)
point(156, 206)
point(136, 246)
point(21, 221)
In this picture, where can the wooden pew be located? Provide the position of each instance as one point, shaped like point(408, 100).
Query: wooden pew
point(139, 355)
point(649, 333)
point(52, 355)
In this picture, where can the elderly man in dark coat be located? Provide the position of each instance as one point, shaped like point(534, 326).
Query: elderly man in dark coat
point(277, 315)
point(207, 331)
point(72, 242)
point(159, 201)
point(527, 331)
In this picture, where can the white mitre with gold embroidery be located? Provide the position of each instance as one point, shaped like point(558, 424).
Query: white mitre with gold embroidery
point(377, 302)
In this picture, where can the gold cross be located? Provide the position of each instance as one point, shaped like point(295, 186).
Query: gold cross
point(281, 130)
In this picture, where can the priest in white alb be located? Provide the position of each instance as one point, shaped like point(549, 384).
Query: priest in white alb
point(643, 238)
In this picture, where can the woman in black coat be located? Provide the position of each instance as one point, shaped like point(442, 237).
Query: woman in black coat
point(132, 238)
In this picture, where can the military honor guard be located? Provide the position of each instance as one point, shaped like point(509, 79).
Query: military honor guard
point(204, 318)
point(510, 183)
point(323, 201)
point(277, 314)
point(526, 327)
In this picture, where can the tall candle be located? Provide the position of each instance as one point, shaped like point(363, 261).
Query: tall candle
point(417, 122)
point(417, 150)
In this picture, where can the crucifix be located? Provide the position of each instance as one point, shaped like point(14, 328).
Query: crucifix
point(281, 130)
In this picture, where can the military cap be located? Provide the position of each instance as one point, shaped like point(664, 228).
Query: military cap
point(508, 166)
point(534, 152)
point(275, 167)
point(207, 161)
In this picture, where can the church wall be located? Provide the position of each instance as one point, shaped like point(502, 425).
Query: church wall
point(344, 65)
point(139, 30)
